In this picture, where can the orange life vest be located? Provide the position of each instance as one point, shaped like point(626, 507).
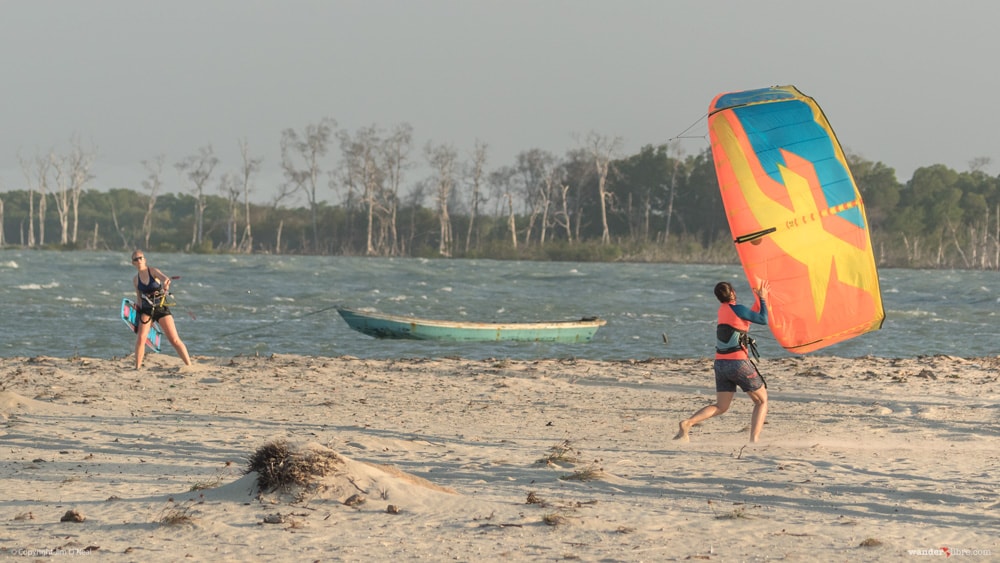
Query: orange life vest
point(728, 332)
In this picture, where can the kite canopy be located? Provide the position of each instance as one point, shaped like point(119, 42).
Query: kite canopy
point(796, 216)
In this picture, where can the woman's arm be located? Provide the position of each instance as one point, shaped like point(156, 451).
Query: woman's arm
point(162, 278)
point(747, 314)
point(758, 314)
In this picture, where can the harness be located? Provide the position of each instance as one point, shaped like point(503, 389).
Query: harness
point(733, 336)
point(154, 296)
point(745, 342)
point(731, 333)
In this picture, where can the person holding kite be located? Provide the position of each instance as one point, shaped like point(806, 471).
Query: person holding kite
point(733, 364)
point(151, 288)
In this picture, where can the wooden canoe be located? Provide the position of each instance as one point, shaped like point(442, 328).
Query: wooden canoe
point(392, 326)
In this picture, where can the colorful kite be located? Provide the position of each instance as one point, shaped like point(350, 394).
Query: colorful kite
point(796, 216)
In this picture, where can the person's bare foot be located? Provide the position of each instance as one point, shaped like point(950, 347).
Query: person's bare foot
point(682, 432)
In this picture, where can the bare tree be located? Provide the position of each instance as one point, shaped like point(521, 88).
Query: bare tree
point(577, 170)
point(502, 188)
point(361, 169)
point(562, 217)
point(230, 189)
point(118, 227)
point(43, 197)
point(395, 155)
point(72, 172)
point(511, 223)
point(36, 172)
point(477, 174)
point(152, 185)
point(534, 167)
point(61, 195)
point(309, 147)
point(442, 158)
point(552, 183)
point(250, 167)
point(414, 201)
point(602, 150)
point(2, 242)
point(979, 163)
point(80, 162)
point(198, 169)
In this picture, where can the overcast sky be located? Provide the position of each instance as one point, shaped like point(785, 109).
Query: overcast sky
point(909, 83)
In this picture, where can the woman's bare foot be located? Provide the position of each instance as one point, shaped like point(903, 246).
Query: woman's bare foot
point(682, 432)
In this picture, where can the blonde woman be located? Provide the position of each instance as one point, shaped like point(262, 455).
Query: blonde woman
point(151, 286)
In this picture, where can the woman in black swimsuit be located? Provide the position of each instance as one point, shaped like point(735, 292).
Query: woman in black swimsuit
point(150, 286)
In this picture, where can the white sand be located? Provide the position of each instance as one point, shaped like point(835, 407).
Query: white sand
point(861, 460)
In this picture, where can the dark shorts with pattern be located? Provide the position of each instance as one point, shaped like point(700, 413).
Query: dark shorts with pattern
point(730, 373)
point(156, 313)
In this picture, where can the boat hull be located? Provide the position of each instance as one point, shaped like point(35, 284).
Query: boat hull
point(410, 328)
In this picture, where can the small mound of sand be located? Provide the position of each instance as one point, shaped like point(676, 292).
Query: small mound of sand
point(15, 403)
point(317, 472)
point(11, 402)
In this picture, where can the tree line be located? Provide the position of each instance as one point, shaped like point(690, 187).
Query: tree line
point(354, 193)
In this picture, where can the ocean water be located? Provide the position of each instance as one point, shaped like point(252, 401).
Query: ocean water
point(66, 304)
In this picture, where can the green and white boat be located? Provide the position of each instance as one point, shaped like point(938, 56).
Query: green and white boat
point(399, 327)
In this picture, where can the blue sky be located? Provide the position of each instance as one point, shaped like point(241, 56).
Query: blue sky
point(901, 81)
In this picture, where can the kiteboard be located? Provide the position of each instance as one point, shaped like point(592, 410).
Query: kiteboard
point(130, 314)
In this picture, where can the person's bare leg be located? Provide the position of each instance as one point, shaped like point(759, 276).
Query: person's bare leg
point(723, 399)
point(759, 398)
point(170, 331)
point(140, 340)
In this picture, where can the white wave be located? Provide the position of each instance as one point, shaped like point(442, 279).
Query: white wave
point(10, 264)
point(35, 286)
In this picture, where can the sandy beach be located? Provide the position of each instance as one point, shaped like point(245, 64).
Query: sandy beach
point(869, 459)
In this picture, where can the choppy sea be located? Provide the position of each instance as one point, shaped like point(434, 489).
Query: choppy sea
point(66, 304)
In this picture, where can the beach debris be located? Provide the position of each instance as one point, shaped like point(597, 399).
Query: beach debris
point(813, 371)
point(73, 516)
point(279, 466)
point(276, 518)
point(355, 500)
point(534, 499)
point(555, 519)
point(392, 509)
point(585, 474)
point(563, 452)
point(176, 515)
point(870, 542)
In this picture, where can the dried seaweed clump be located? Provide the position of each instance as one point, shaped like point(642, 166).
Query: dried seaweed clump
point(280, 466)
